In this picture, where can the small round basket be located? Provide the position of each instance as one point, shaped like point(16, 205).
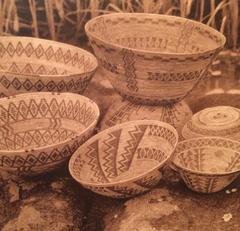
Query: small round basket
point(39, 131)
point(124, 160)
point(31, 64)
point(150, 58)
point(223, 121)
point(207, 164)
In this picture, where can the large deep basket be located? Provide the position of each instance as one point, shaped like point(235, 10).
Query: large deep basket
point(153, 59)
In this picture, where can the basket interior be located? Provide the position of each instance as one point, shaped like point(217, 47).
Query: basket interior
point(124, 153)
point(209, 158)
point(32, 56)
point(27, 123)
point(156, 33)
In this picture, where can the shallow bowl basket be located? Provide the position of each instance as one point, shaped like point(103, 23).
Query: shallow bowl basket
point(39, 131)
point(153, 59)
point(31, 64)
point(221, 121)
point(124, 160)
point(207, 164)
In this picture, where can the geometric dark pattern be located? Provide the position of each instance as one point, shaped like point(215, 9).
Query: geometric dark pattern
point(109, 162)
point(106, 162)
point(128, 64)
point(33, 138)
point(151, 154)
point(49, 108)
point(135, 137)
point(163, 132)
point(149, 181)
point(208, 164)
point(15, 82)
point(146, 67)
point(29, 163)
point(43, 66)
point(39, 131)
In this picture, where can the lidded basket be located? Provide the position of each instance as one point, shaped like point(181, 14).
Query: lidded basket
point(221, 121)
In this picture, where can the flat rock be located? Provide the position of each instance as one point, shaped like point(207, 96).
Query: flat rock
point(176, 208)
point(43, 212)
point(49, 202)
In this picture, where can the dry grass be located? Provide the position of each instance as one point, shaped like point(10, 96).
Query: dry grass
point(65, 19)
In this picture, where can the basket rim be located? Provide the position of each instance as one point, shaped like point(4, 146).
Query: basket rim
point(48, 41)
point(147, 52)
point(198, 172)
point(45, 94)
point(122, 125)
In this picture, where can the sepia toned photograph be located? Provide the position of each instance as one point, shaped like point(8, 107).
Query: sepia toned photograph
point(119, 115)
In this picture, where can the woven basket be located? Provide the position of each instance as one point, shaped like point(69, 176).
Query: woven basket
point(124, 160)
point(207, 164)
point(121, 111)
point(31, 64)
point(153, 59)
point(39, 131)
point(221, 121)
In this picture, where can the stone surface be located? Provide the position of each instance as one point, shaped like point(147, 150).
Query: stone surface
point(176, 208)
point(48, 202)
point(47, 211)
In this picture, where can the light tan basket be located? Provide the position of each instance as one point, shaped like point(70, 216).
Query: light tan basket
point(221, 121)
point(31, 64)
point(121, 111)
point(207, 164)
point(39, 131)
point(124, 160)
point(153, 59)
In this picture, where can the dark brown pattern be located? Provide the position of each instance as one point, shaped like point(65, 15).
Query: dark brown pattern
point(132, 144)
point(151, 154)
point(150, 20)
point(128, 65)
point(183, 40)
point(68, 109)
point(45, 142)
point(25, 164)
point(110, 162)
point(152, 57)
point(213, 142)
point(32, 138)
point(149, 181)
point(42, 52)
point(16, 82)
point(173, 76)
point(207, 183)
point(235, 162)
point(133, 58)
point(126, 191)
point(92, 154)
point(155, 130)
point(39, 66)
point(122, 113)
point(149, 101)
